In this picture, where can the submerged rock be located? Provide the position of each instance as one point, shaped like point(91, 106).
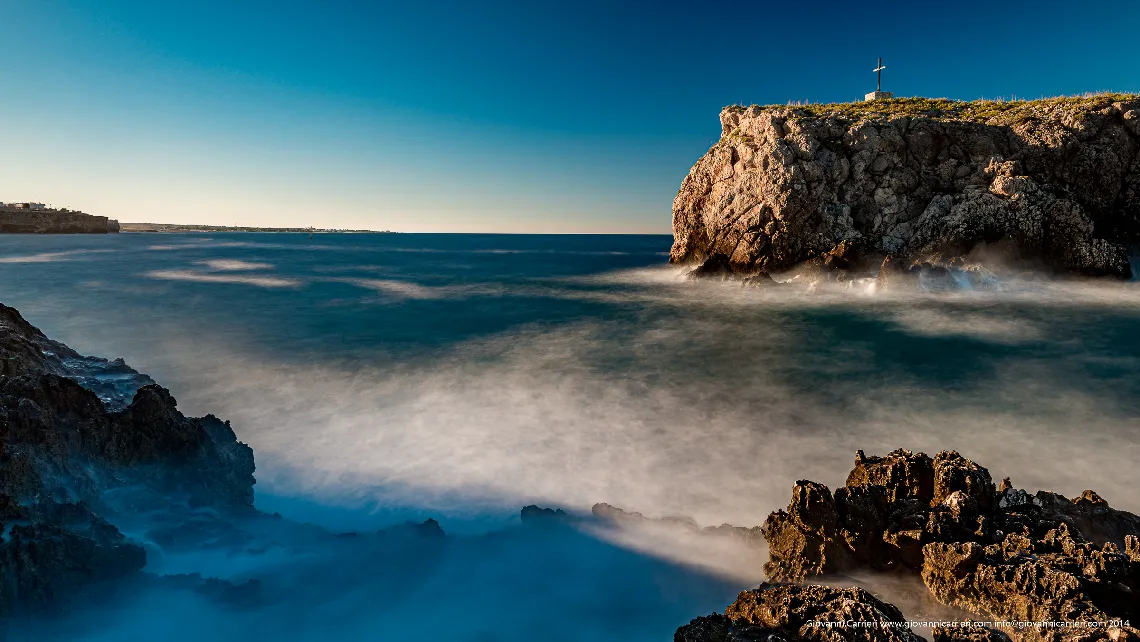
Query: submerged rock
point(535, 513)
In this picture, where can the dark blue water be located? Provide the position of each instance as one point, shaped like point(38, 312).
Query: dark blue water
point(387, 377)
point(336, 294)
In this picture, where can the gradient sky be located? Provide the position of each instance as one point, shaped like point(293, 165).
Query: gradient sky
point(472, 116)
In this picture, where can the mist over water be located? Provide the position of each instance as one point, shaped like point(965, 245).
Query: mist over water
point(387, 378)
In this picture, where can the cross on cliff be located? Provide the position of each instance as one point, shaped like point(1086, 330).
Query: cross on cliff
point(879, 94)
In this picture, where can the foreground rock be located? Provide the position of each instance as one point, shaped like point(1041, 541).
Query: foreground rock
point(791, 613)
point(82, 439)
point(999, 552)
point(1054, 183)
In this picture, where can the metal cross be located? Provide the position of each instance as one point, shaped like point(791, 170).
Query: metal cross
point(879, 70)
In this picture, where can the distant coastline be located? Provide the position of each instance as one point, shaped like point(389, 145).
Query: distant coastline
point(179, 227)
point(37, 218)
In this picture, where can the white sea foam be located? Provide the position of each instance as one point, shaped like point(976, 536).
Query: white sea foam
point(234, 265)
point(708, 400)
point(48, 257)
point(206, 277)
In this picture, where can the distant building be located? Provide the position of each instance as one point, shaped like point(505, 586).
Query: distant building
point(28, 206)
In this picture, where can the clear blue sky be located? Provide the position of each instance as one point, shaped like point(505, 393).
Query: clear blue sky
point(473, 116)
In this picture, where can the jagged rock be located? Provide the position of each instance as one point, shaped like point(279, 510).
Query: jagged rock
point(81, 438)
point(708, 628)
point(954, 473)
point(761, 280)
point(969, 632)
point(1055, 182)
point(1005, 554)
point(804, 541)
point(1056, 579)
point(890, 507)
point(715, 265)
point(902, 473)
point(24, 350)
point(1090, 515)
point(795, 613)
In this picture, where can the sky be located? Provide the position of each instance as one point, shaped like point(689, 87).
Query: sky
point(487, 116)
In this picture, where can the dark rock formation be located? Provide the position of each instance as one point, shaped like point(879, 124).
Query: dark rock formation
point(1001, 553)
point(428, 529)
point(970, 633)
point(534, 513)
point(792, 613)
point(245, 594)
point(82, 439)
point(14, 220)
point(1052, 182)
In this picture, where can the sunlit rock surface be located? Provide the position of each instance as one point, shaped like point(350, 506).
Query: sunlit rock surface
point(998, 552)
point(1054, 183)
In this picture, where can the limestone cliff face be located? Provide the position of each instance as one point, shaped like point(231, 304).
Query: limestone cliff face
point(1053, 181)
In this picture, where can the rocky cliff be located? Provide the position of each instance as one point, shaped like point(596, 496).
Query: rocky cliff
point(83, 442)
point(1053, 183)
point(23, 221)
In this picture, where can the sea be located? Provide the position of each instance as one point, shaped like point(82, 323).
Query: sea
point(386, 378)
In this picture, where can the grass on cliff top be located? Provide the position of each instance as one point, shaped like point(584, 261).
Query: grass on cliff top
point(981, 111)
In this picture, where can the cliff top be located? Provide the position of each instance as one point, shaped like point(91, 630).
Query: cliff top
point(990, 112)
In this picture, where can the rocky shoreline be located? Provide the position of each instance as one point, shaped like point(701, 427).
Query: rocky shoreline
point(1051, 184)
point(101, 476)
point(998, 552)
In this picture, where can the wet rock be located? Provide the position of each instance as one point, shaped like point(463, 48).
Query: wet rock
point(83, 440)
point(761, 280)
point(968, 632)
point(56, 554)
point(24, 350)
point(716, 265)
point(1004, 554)
point(796, 613)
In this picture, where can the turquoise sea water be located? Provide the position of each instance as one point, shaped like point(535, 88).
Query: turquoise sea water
point(381, 378)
